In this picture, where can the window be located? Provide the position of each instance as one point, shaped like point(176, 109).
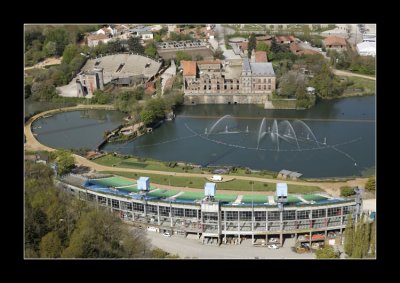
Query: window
point(334, 211)
point(231, 215)
point(177, 212)
point(273, 215)
point(245, 215)
point(259, 87)
point(237, 87)
point(191, 213)
point(164, 210)
point(289, 215)
point(126, 205)
point(269, 81)
point(151, 209)
point(102, 200)
point(265, 87)
point(269, 87)
point(303, 214)
point(210, 216)
point(265, 80)
point(259, 215)
point(138, 207)
point(115, 203)
point(318, 213)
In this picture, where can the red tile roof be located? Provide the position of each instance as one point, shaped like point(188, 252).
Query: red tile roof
point(283, 38)
point(189, 68)
point(334, 41)
point(261, 56)
point(295, 48)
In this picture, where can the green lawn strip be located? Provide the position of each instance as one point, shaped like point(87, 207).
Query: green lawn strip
point(367, 85)
point(225, 197)
point(129, 189)
point(113, 182)
point(191, 195)
point(198, 183)
point(255, 198)
point(163, 193)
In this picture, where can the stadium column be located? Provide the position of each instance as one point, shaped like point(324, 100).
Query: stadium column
point(326, 222)
point(341, 220)
point(296, 224)
point(197, 217)
point(238, 224)
point(266, 227)
point(158, 215)
point(144, 207)
point(225, 227)
point(281, 227)
point(170, 213)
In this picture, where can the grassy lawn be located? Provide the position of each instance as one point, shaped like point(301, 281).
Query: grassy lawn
point(110, 160)
point(198, 183)
point(361, 86)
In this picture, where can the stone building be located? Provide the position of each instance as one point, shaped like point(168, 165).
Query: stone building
point(210, 77)
point(88, 82)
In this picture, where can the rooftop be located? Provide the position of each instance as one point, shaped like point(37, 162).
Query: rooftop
point(189, 68)
point(335, 41)
point(262, 69)
point(261, 56)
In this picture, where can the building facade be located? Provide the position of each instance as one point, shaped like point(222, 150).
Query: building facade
point(88, 82)
point(209, 218)
point(209, 77)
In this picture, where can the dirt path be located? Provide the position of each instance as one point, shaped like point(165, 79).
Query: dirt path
point(46, 62)
point(350, 74)
point(332, 188)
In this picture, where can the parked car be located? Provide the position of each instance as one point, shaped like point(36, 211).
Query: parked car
point(273, 246)
point(166, 234)
point(273, 240)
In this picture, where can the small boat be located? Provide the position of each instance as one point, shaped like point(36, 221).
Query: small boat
point(47, 116)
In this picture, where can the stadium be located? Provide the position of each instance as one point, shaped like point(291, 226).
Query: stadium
point(217, 217)
point(123, 66)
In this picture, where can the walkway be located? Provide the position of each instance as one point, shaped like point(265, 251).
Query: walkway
point(350, 74)
point(46, 62)
point(32, 143)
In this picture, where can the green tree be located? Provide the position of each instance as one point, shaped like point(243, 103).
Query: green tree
point(180, 55)
point(65, 162)
point(43, 91)
point(151, 50)
point(262, 46)
point(359, 239)
point(50, 246)
point(366, 239)
point(100, 97)
point(326, 252)
point(346, 191)
point(373, 238)
point(218, 54)
point(135, 46)
point(59, 36)
point(147, 117)
point(50, 48)
point(349, 236)
point(69, 53)
point(371, 184)
point(252, 44)
point(27, 89)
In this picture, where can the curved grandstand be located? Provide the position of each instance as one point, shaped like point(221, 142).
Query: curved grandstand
point(123, 66)
point(227, 216)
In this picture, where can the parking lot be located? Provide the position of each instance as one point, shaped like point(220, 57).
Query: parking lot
point(192, 248)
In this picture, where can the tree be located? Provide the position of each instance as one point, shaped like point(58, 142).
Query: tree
point(218, 54)
point(101, 97)
point(69, 53)
point(59, 36)
point(180, 55)
point(151, 50)
point(50, 246)
point(373, 238)
point(366, 239)
point(252, 44)
point(27, 89)
point(147, 117)
point(346, 191)
point(359, 239)
point(262, 46)
point(43, 91)
point(326, 252)
point(371, 184)
point(115, 46)
point(135, 46)
point(50, 48)
point(349, 236)
point(65, 162)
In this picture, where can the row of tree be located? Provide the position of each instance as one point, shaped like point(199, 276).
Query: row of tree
point(360, 238)
point(60, 225)
point(351, 60)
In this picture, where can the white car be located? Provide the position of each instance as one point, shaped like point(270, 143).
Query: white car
point(166, 234)
point(273, 240)
point(273, 246)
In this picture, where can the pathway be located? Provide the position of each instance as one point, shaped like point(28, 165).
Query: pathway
point(350, 74)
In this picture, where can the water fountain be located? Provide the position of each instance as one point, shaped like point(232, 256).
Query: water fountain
point(214, 127)
point(205, 131)
point(303, 125)
point(261, 131)
point(247, 129)
point(290, 130)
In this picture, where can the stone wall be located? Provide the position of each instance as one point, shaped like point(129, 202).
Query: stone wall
point(191, 99)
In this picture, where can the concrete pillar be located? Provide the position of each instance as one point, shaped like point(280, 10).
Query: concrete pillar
point(158, 215)
point(281, 227)
point(170, 214)
point(197, 217)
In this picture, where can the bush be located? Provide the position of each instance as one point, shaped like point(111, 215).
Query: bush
point(346, 191)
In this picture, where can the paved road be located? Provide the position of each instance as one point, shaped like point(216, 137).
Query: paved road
point(32, 143)
point(350, 74)
point(192, 248)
